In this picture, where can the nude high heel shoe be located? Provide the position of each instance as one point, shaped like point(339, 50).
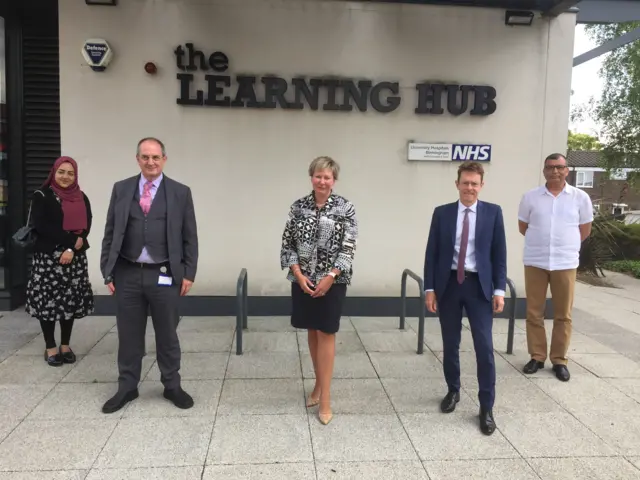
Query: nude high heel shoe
point(325, 418)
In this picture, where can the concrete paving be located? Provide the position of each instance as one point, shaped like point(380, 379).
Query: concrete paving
point(250, 422)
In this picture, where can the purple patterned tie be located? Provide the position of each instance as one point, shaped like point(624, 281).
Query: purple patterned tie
point(145, 200)
point(464, 240)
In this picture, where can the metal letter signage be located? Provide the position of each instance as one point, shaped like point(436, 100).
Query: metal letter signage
point(97, 54)
point(317, 93)
point(447, 152)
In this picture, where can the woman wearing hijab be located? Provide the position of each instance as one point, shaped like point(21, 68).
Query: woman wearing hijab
point(59, 287)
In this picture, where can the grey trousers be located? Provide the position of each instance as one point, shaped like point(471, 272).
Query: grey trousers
point(137, 293)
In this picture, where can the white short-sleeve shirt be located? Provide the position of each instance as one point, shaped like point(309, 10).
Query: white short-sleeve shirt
point(552, 240)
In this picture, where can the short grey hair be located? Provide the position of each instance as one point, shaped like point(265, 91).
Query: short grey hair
point(322, 163)
point(151, 139)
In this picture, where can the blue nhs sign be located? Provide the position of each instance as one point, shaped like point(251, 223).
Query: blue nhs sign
point(479, 153)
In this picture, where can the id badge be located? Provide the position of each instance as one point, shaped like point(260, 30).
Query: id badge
point(164, 279)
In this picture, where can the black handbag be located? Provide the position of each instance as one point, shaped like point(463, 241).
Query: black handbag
point(26, 236)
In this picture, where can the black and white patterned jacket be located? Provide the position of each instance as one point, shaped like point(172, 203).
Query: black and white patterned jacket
point(320, 239)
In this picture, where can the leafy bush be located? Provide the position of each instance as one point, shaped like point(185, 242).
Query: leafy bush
point(625, 266)
point(601, 246)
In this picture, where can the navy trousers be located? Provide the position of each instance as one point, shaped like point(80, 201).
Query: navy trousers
point(480, 313)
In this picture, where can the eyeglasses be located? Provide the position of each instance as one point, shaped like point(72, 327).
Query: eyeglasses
point(146, 158)
point(550, 168)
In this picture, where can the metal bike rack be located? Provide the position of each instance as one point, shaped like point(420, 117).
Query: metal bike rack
point(241, 308)
point(512, 315)
point(403, 311)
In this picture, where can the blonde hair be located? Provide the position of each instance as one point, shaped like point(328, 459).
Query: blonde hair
point(322, 163)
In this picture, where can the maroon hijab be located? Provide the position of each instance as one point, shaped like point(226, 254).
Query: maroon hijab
point(74, 210)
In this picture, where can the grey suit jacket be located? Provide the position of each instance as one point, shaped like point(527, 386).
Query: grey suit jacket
point(182, 231)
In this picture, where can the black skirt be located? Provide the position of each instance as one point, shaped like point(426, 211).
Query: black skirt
point(321, 313)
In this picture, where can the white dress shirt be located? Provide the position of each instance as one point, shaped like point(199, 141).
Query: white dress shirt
point(470, 256)
point(552, 240)
point(144, 256)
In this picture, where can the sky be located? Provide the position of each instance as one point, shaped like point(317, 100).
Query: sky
point(585, 82)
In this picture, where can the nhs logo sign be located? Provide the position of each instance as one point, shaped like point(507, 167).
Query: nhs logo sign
point(478, 153)
point(448, 152)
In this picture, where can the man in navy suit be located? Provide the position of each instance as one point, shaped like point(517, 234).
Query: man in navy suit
point(466, 266)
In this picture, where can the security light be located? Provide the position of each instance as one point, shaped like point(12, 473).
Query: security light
point(518, 17)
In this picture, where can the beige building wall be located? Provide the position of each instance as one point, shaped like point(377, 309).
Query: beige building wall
point(246, 166)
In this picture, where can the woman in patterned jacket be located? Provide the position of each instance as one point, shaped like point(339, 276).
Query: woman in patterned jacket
point(59, 287)
point(318, 246)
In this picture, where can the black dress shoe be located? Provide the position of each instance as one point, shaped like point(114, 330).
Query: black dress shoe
point(533, 366)
point(487, 423)
point(68, 357)
point(448, 403)
point(179, 397)
point(119, 400)
point(562, 372)
point(53, 360)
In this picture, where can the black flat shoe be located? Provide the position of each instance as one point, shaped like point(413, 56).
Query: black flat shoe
point(533, 366)
point(53, 360)
point(448, 403)
point(119, 400)
point(487, 423)
point(179, 397)
point(562, 372)
point(68, 357)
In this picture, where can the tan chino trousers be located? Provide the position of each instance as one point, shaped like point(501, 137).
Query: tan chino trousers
point(562, 284)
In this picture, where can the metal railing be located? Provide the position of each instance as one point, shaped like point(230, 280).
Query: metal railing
point(242, 303)
point(422, 307)
point(403, 312)
point(512, 315)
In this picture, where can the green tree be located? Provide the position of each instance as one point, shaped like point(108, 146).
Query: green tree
point(582, 141)
point(618, 109)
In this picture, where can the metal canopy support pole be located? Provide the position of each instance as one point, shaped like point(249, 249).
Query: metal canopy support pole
point(607, 47)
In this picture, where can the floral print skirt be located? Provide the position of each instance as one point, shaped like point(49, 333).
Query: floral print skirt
point(59, 292)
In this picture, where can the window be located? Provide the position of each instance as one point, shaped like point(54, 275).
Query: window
point(619, 174)
point(584, 179)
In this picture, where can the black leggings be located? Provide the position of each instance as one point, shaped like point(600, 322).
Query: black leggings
point(49, 328)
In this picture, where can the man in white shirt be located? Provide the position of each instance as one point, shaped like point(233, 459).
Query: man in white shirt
point(555, 219)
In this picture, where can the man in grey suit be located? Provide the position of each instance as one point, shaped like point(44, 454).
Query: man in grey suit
point(149, 259)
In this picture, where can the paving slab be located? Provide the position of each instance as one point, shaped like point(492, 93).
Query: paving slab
point(262, 396)
point(384, 470)
point(530, 434)
point(260, 439)
point(272, 471)
point(264, 365)
point(35, 445)
point(151, 403)
point(436, 436)
point(584, 468)
point(406, 365)
point(423, 396)
point(495, 469)
point(69, 402)
point(360, 438)
point(45, 475)
point(98, 369)
point(357, 396)
point(250, 419)
point(17, 401)
point(157, 442)
point(162, 473)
